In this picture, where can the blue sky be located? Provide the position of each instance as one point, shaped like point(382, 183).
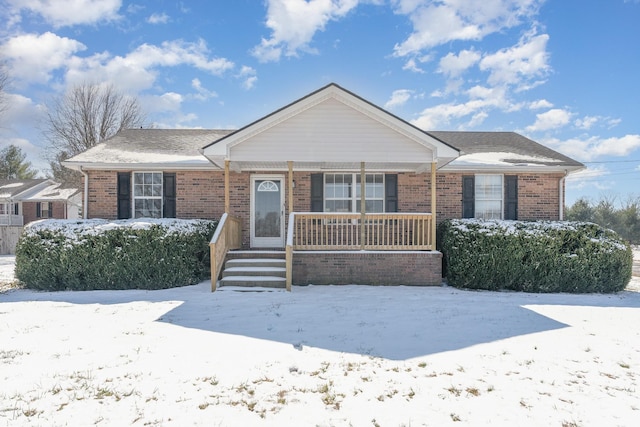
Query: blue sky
point(562, 72)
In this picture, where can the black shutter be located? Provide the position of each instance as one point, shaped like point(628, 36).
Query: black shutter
point(317, 190)
point(50, 214)
point(124, 195)
point(38, 210)
point(511, 197)
point(468, 197)
point(169, 195)
point(391, 192)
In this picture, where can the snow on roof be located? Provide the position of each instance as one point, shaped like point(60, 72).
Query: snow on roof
point(502, 159)
point(51, 193)
point(151, 147)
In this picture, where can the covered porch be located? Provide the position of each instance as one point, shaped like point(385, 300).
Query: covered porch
point(338, 185)
point(332, 247)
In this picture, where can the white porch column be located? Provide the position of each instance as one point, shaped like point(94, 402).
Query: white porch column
point(290, 185)
point(362, 204)
point(433, 205)
point(227, 199)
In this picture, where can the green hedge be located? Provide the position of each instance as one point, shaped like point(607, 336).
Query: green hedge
point(128, 254)
point(576, 257)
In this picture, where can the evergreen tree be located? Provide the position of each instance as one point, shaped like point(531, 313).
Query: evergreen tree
point(13, 164)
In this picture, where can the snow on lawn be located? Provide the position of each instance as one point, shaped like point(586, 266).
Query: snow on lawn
point(320, 355)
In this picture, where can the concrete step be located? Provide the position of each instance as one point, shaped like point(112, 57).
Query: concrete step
point(255, 262)
point(255, 254)
point(254, 281)
point(255, 271)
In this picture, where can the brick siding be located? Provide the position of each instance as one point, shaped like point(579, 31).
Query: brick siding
point(200, 194)
point(367, 268)
point(29, 211)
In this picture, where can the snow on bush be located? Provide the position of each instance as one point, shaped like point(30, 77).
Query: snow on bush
point(123, 254)
point(543, 256)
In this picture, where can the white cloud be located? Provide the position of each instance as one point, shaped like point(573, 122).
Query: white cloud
point(453, 65)
point(518, 64)
point(586, 122)
point(60, 13)
point(411, 65)
point(293, 23)
point(539, 104)
point(591, 177)
point(593, 147)
point(248, 76)
point(158, 18)
point(202, 93)
point(138, 69)
point(436, 23)
point(398, 98)
point(21, 111)
point(552, 119)
point(33, 57)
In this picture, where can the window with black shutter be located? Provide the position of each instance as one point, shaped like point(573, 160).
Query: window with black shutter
point(468, 196)
point(169, 195)
point(124, 195)
point(511, 197)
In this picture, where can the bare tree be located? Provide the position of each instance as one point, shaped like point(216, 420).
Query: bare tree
point(85, 116)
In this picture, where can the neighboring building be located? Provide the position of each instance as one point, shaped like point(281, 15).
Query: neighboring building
point(25, 200)
point(310, 159)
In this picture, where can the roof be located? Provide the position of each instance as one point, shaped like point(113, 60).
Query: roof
point(34, 190)
point(162, 148)
point(207, 149)
point(12, 187)
point(504, 149)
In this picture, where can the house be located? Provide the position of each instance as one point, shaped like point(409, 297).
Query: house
point(25, 200)
point(344, 190)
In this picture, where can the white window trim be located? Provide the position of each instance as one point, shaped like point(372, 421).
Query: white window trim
point(483, 200)
point(355, 187)
point(133, 193)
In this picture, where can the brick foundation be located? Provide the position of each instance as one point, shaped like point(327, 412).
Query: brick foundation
point(367, 268)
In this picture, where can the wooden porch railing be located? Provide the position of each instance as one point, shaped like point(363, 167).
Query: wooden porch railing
point(385, 232)
point(333, 231)
point(228, 235)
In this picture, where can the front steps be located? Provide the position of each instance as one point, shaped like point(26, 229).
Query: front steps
point(254, 269)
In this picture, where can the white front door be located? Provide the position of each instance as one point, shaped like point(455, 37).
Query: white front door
point(267, 211)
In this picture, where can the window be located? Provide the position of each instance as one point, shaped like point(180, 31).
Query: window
point(4, 209)
point(488, 192)
point(340, 195)
point(490, 196)
point(43, 210)
point(147, 194)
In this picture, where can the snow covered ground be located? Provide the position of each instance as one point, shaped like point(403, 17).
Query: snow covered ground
point(320, 355)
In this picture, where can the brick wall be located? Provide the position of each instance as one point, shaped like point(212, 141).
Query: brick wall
point(538, 196)
point(29, 211)
point(367, 268)
point(200, 194)
point(103, 194)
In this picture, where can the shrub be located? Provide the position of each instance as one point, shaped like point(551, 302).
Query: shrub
point(127, 254)
point(534, 256)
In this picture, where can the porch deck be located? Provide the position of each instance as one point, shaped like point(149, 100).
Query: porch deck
point(330, 248)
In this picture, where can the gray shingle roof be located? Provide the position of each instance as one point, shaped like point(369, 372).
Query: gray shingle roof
point(505, 142)
point(132, 146)
point(12, 187)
